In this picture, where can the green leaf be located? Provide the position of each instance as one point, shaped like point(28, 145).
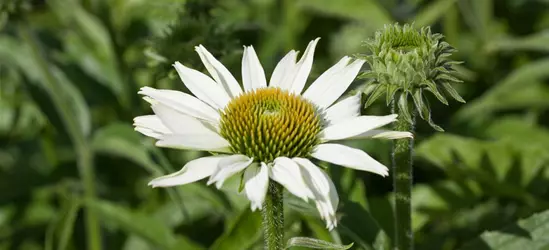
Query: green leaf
point(529, 233)
point(374, 95)
point(140, 224)
point(522, 86)
point(433, 12)
point(64, 225)
point(403, 107)
point(244, 232)
point(89, 44)
point(433, 88)
point(121, 140)
point(448, 87)
point(358, 225)
point(368, 11)
point(315, 244)
point(67, 224)
point(534, 42)
point(424, 109)
point(47, 76)
point(391, 91)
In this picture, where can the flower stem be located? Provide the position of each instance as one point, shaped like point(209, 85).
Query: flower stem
point(273, 217)
point(402, 183)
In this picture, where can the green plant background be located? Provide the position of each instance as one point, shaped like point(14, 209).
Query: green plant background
point(69, 75)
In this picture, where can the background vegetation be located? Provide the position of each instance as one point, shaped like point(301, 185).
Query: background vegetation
point(70, 71)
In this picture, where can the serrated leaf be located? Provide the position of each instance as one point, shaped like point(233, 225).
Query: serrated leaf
point(315, 244)
point(529, 233)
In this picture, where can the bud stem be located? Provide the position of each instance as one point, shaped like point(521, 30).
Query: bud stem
point(273, 217)
point(402, 182)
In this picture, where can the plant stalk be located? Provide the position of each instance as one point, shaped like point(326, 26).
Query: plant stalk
point(78, 138)
point(273, 217)
point(402, 164)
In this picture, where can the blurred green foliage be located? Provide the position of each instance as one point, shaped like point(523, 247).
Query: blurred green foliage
point(70, 71)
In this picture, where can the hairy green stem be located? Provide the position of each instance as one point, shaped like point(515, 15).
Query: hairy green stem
point(402, 183)
point(273, 217)
point(78, 138)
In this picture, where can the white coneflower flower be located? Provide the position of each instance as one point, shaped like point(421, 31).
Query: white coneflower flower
point(267, 131)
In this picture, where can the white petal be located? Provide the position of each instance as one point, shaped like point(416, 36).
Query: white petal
point(253, 75)
point(287, 173)
point(355, 126)
point(349, 157)
point(203, 86)
point(384, 134)
point(228, 167)
point(301, 71)
point(150, 125)
point(323, 188)
point(149, 132)
point(182, 102)
point(180, 123)
point(285, 67)
point(326, 90)
point(192, 171)
point(219, 72)
point(207, 142)
point(256, 179)
point(324, 81)
point(343, 110)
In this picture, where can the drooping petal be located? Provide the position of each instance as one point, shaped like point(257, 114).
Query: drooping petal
point(285, 67)
point(206, 142)
point(349, 157)
point(219, 72)
point(331, 85)
point(287, 173)
point(323, 189)
point(256, 181)
point(192, 171)
point(384, 134)
point(253, 75)
point(355, 126)
point(182, 102)
point(343, 110)
point(228, 167)
point(203, 86)
point(302, 69)
point(180, 123)
point(150, 125)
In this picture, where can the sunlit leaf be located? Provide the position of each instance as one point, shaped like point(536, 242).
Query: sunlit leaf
point(529, 233)
point(314, 244)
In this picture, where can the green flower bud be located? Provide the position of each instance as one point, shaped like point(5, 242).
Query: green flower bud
point(408, 62)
